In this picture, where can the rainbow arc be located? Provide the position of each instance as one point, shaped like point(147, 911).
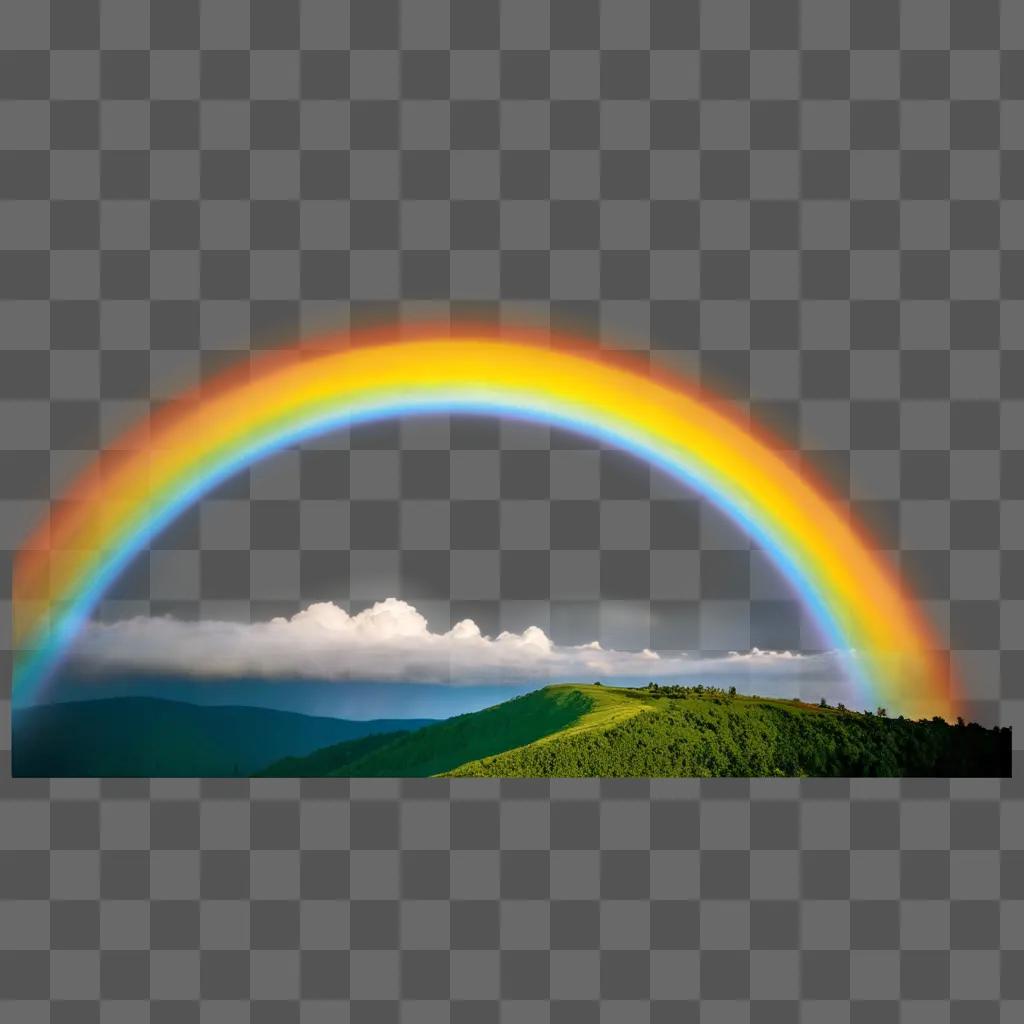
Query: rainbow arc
point(155, 471)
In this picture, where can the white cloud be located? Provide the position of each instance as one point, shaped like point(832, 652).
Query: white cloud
point(392, 642)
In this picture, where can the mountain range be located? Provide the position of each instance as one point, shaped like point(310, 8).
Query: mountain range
point(560, 730)
point(148, 736)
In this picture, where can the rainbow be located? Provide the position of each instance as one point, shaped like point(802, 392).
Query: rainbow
point(152, 473)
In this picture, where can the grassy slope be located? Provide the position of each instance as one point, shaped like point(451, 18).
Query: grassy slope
point(337, 759)
point(743, 736)
point(436, 749)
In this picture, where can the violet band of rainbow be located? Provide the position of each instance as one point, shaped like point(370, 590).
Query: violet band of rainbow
point(134, 490)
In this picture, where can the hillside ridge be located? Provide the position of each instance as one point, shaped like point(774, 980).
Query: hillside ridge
point(592, 730)
point(443, 746)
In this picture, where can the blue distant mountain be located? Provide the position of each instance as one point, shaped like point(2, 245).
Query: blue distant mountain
point(147, 736)
point(350, 699)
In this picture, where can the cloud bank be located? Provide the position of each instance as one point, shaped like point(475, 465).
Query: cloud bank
point(391, 642)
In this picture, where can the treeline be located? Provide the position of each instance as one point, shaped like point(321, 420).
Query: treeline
point(674, 691)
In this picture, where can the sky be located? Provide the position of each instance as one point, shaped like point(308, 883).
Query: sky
point(388, 657)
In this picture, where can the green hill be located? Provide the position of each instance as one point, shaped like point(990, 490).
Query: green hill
point(339, 759)
point(593, 730)
point(147, 736)
point(439, 748)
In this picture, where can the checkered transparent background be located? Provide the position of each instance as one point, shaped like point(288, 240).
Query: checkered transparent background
point(817, 207)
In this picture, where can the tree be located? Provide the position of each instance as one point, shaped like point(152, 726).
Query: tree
point(732, 691)
point(822, 703)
